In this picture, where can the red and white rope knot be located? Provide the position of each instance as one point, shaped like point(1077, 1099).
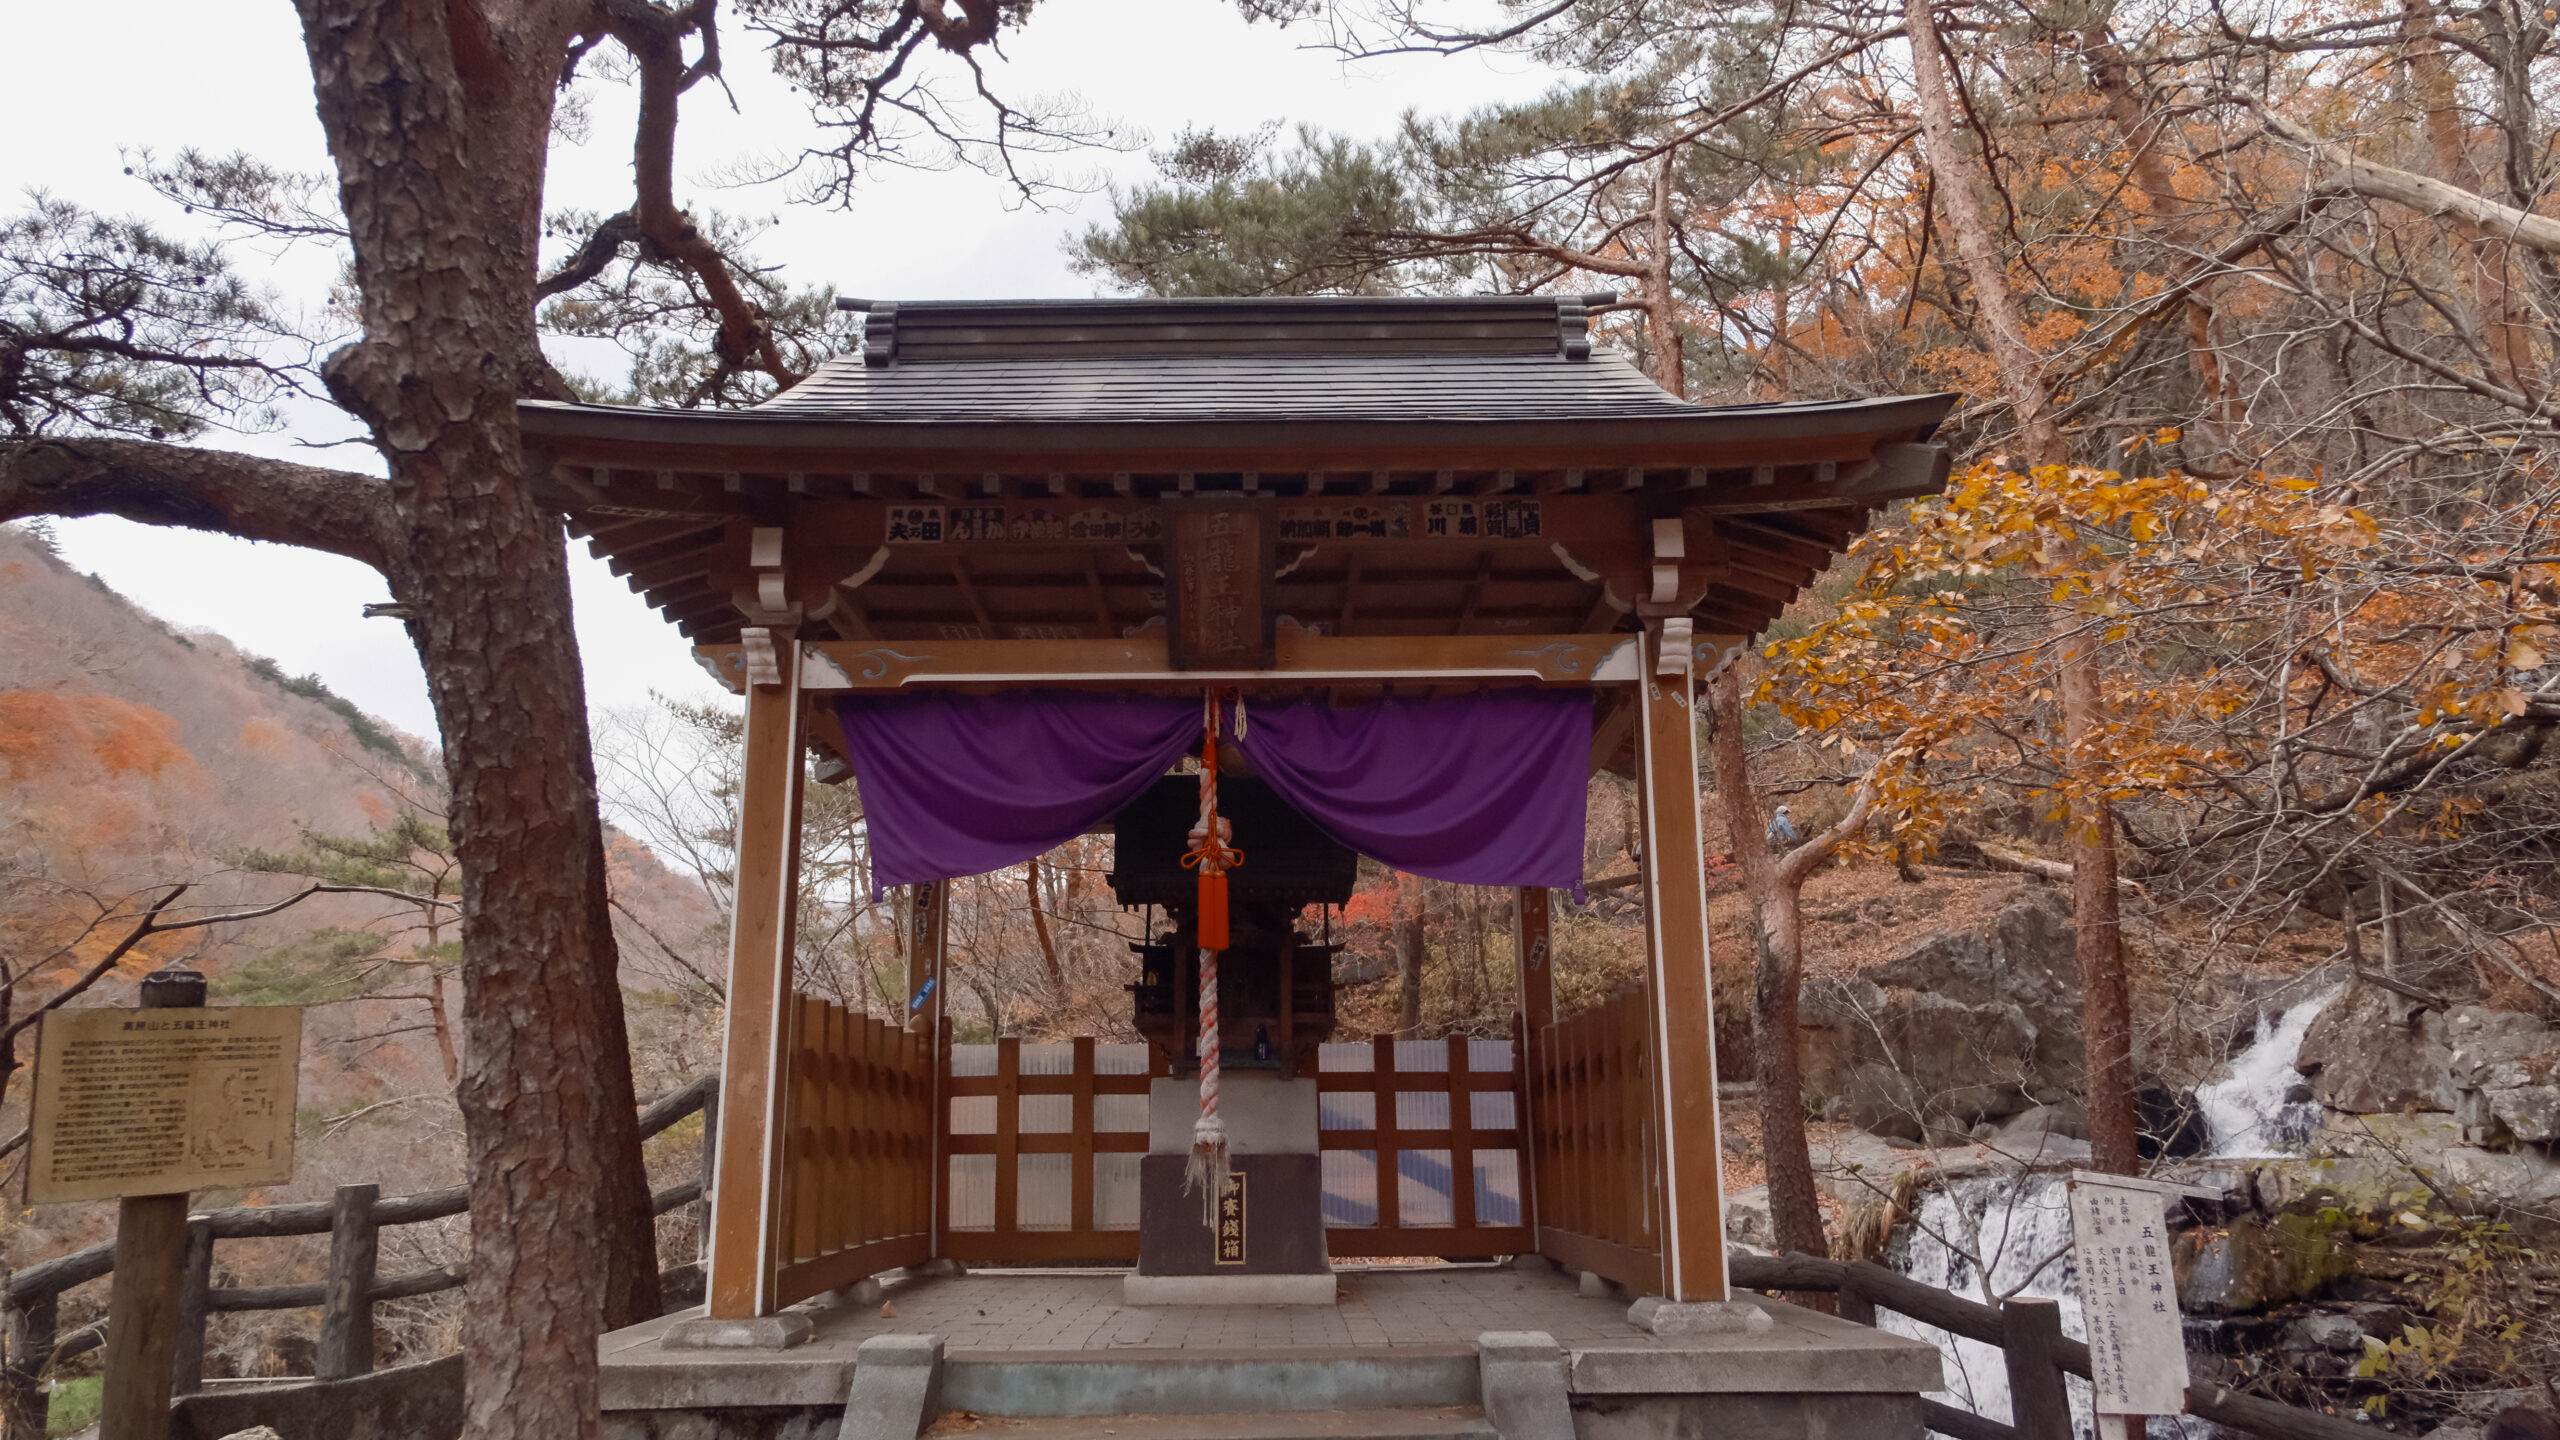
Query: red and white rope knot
point(1213, 856)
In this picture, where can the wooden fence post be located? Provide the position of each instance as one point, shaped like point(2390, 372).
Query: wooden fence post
point(710, 1167)
point(195, 1307)
point(142, 1301)
point(1856, 1304)
point(2031, 1343)
point(346, 1305)
point(31, 1339)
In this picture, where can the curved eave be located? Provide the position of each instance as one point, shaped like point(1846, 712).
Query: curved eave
point(1833, 429)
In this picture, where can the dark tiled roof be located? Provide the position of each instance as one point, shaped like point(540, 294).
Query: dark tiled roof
point(1190, 387)
point(1250, 328)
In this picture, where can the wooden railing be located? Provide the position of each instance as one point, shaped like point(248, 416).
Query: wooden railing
point(1072, 1122)
point(353, 1219)
point(1422, 1140)
point(2029, 1336)
point(1592, 1120)
point(856, 1189)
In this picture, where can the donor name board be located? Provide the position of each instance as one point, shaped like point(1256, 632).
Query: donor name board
point(153, 1102)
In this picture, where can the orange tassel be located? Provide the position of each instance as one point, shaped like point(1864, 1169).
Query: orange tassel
point(1213, 909)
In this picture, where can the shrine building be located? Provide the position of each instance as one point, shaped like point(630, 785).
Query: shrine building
point(1256, 587)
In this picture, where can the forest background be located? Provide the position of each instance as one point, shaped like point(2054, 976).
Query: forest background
point(2243, 614)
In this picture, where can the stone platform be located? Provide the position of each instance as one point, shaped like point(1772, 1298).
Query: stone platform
point(1028, 1345)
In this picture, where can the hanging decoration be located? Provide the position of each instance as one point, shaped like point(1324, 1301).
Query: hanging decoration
point(1212, 856)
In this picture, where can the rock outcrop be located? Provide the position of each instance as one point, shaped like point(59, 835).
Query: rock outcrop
point(1966, 1027)
point(2372, 1052)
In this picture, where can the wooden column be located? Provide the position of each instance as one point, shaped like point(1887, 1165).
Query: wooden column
point(744, 1212)
point(1532, 924)
point(1691, 1202)
point(143, 1297)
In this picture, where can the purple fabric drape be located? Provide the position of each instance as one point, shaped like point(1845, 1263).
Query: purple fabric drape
point(1481, 789)
point(964, 784)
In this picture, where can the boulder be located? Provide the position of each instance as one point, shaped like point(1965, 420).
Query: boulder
point(1747, 1222)
point(2369, 1053)
point(2337, 1334)
point(2023, 959)
point(2505, 1069)
point(1965, 1027)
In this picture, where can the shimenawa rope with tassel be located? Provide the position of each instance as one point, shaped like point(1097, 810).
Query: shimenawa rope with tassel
point(1213, 857)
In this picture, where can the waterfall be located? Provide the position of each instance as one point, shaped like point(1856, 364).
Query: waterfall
point(2247, 1114)
point(2012, 1224)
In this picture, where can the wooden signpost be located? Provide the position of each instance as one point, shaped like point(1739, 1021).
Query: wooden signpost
point(143, 1106)
point(2129, 1299)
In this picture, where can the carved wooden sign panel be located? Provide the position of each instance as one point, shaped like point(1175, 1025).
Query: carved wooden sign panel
point(153, 1102)
point(1219, 576)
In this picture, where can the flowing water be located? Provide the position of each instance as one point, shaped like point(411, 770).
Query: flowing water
point(2018, 1225)
point(2247, 1114)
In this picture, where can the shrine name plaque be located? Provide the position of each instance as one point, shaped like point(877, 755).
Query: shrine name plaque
point(2128, 1298)
point(1219, 579)
point(154, 1102)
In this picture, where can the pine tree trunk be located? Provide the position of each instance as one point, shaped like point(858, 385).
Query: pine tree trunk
point(438, 119)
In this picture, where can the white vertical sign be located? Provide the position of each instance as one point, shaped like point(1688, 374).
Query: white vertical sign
point(2137, 1352)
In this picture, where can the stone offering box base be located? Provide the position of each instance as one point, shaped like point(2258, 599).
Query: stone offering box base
point(1405, 1353)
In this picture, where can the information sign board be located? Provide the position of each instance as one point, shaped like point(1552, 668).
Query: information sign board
point(155, 1102)
point(2129, 1297)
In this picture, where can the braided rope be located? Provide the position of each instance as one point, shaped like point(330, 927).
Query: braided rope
point(1210, 852)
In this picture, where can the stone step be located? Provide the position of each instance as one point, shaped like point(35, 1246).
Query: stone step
point(1435, 1423)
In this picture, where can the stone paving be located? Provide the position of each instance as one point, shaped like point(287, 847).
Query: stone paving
point(1439, 1307)
point(1426, 1316)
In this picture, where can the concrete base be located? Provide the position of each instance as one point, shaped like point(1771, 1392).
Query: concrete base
point(1228, 1290)
point(897, 1388)
point(1668, 1318)
point(764, 1332)
point(1527, 1391)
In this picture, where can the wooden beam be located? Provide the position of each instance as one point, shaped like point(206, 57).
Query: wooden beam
point(1680, 995)
point(969, 591)
point(1141, 660)
point(746, 1186)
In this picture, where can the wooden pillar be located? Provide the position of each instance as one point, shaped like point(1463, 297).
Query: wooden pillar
point(748, 1190)
point(1690, 1180)
point(1532, 926)
point(150, 1268)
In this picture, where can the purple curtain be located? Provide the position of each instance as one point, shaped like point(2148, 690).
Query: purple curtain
point(1482, 789)
point(964, 784)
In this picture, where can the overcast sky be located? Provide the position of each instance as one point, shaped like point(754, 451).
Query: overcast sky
point(95, 80)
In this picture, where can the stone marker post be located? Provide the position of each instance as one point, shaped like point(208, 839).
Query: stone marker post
point(151, 1254)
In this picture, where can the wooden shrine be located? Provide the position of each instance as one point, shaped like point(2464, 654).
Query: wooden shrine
point(1273, 496)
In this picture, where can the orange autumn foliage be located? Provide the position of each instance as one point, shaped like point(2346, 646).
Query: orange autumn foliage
point(44, 732)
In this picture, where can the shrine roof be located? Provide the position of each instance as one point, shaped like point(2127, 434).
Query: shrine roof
point(1429, 467)
point(1004, 372)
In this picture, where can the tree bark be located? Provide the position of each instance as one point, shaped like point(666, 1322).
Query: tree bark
point(2106, 1007)
point(1412, 938)
point(2506, 332)
point(1661, 311)
point(1960, 181)
point(438, 119)
point(1040, 927)
point(1795, 1206)
point(2142, 129)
